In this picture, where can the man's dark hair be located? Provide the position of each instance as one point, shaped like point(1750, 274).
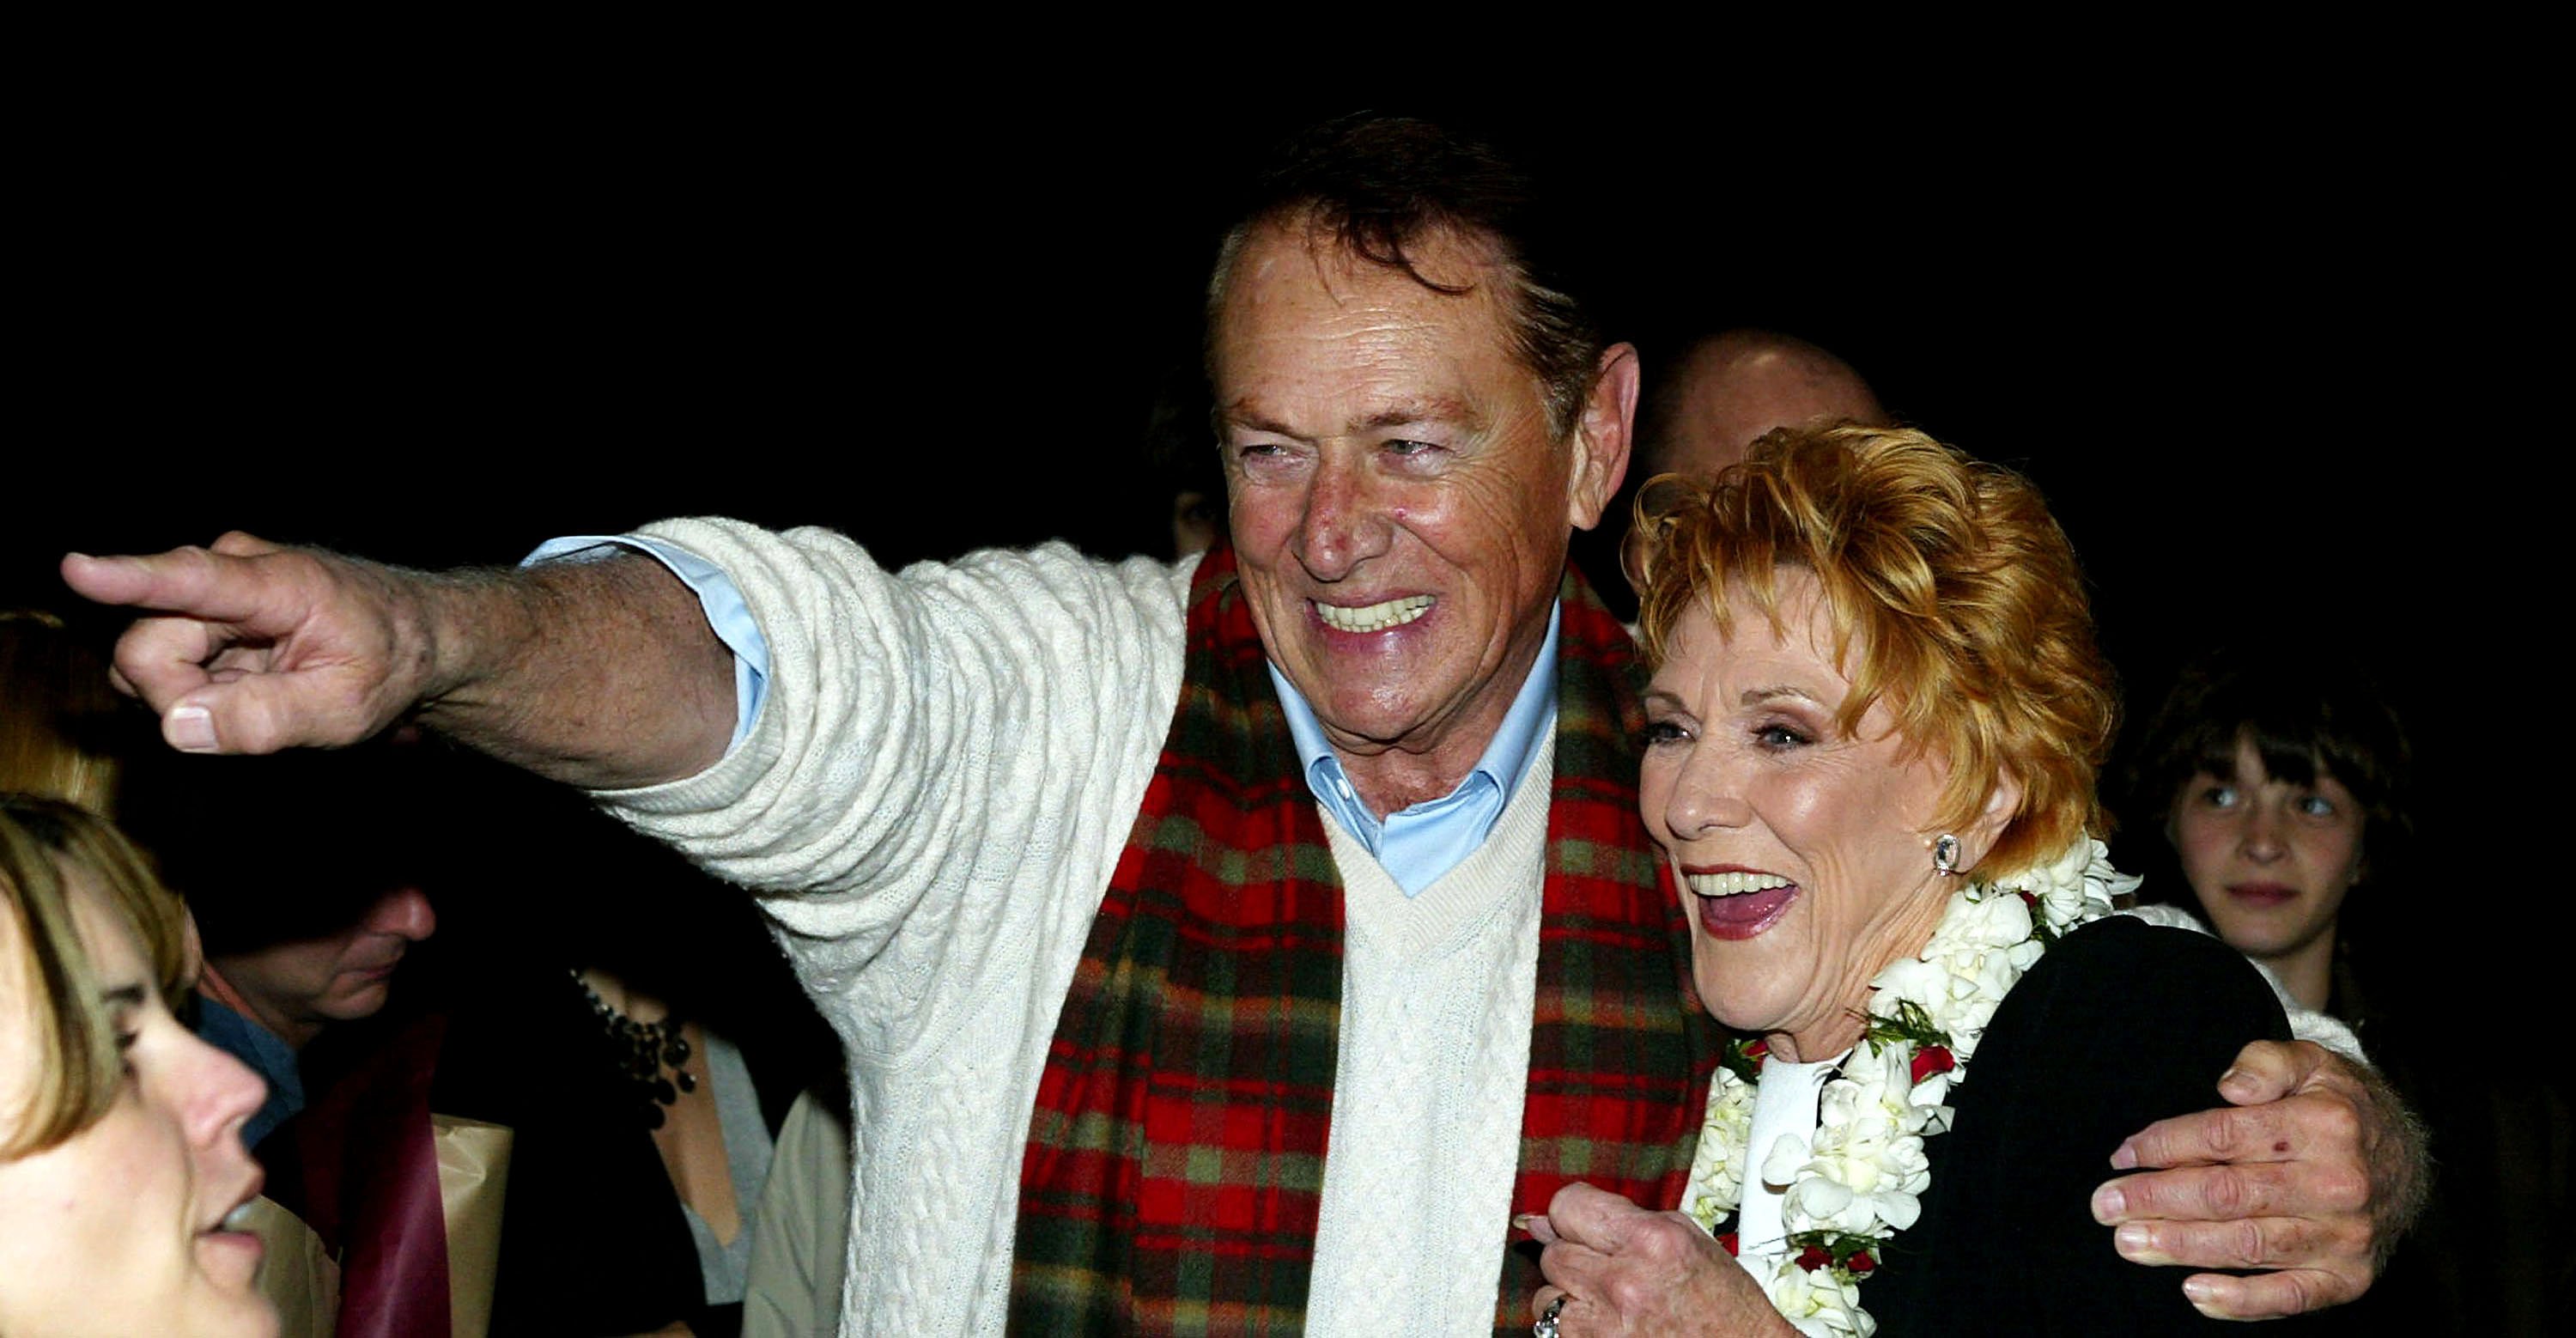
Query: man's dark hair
point(1377, 186)
point(2303, 716)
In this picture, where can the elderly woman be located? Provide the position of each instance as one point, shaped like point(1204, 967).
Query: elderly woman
point(122, 1172)
point(1872, 734)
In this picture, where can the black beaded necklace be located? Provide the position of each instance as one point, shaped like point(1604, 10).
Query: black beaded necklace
point(639, 1051)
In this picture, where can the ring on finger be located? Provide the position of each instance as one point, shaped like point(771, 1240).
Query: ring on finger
point(1546, 1326)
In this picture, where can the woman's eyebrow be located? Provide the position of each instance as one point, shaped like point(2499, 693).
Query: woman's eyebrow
point(127, 996)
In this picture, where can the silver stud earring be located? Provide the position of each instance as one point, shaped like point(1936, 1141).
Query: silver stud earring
point(1945, 853)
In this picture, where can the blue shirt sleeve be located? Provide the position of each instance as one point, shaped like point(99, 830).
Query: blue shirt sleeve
point(727, 614)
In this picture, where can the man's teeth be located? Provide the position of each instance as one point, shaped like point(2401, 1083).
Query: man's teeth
point(1733, 884)
point(1373, 617)
point(239, 1218)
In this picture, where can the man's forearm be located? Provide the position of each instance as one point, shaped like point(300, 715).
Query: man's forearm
point(603, 674)
point(600, 674)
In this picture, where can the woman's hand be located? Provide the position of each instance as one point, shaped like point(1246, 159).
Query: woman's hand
point(2312, 1170)
point(1624, 1270)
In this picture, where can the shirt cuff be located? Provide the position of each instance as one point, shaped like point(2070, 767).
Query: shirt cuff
point(727, 615)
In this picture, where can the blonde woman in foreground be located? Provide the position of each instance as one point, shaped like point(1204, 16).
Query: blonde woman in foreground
point(121, 1163)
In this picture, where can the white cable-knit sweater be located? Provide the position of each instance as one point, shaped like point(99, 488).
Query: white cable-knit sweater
point(944, 772)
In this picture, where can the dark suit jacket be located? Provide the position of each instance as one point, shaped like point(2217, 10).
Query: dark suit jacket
point(2119, 1025)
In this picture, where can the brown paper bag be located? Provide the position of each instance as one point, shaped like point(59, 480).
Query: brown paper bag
point(473, 1181)
point(297, 1274)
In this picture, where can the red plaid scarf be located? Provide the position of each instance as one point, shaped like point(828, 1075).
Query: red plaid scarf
point(1176, 1156)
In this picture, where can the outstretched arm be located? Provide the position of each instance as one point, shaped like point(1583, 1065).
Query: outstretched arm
point(2313, 1170)
point(602, 674)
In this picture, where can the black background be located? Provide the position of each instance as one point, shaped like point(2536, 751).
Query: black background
point(2282, 357)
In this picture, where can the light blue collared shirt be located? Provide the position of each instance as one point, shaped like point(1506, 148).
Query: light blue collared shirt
point(727, 614)
point(1419, 844)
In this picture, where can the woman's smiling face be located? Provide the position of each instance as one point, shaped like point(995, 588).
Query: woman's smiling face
point(116, 1230)
point(1800, 853)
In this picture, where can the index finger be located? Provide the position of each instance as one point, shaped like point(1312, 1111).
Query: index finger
point(189, 581)
point(2228, 1193)
point(2227, 1134)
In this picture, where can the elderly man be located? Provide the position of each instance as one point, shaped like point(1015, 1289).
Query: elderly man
point(1135, 889)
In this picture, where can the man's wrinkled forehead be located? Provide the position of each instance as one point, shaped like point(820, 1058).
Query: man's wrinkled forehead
point(1453, 278)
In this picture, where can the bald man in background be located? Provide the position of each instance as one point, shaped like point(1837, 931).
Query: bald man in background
point(1729, 388)
point(1726, 390)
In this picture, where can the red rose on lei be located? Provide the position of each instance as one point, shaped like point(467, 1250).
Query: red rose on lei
point(1933, 1059)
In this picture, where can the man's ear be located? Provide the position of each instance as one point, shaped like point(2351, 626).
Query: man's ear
point(1601, 436)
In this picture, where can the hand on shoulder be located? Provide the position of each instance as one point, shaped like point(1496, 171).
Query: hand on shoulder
point(2312, 1171)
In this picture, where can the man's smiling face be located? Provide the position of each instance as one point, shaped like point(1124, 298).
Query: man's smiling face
point(1400, 509)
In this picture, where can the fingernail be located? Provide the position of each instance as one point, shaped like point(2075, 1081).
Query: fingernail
point(2201, 1290)
point(2235, 1082)
point(190, 729)
point(1521, 1221)
point(2130, 1239)
point(2125, 1157)
point(2108, 1204)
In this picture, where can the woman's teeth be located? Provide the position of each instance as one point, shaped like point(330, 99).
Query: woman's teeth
point(239, 1218)
point(1732, 884)
point(1373, 617)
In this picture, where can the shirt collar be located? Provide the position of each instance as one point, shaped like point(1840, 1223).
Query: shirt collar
point(1504, 760)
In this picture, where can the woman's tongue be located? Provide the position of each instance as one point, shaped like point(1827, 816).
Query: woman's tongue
point(1745, 914)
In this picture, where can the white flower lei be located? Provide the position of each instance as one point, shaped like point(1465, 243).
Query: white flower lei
point(1861, 1179)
